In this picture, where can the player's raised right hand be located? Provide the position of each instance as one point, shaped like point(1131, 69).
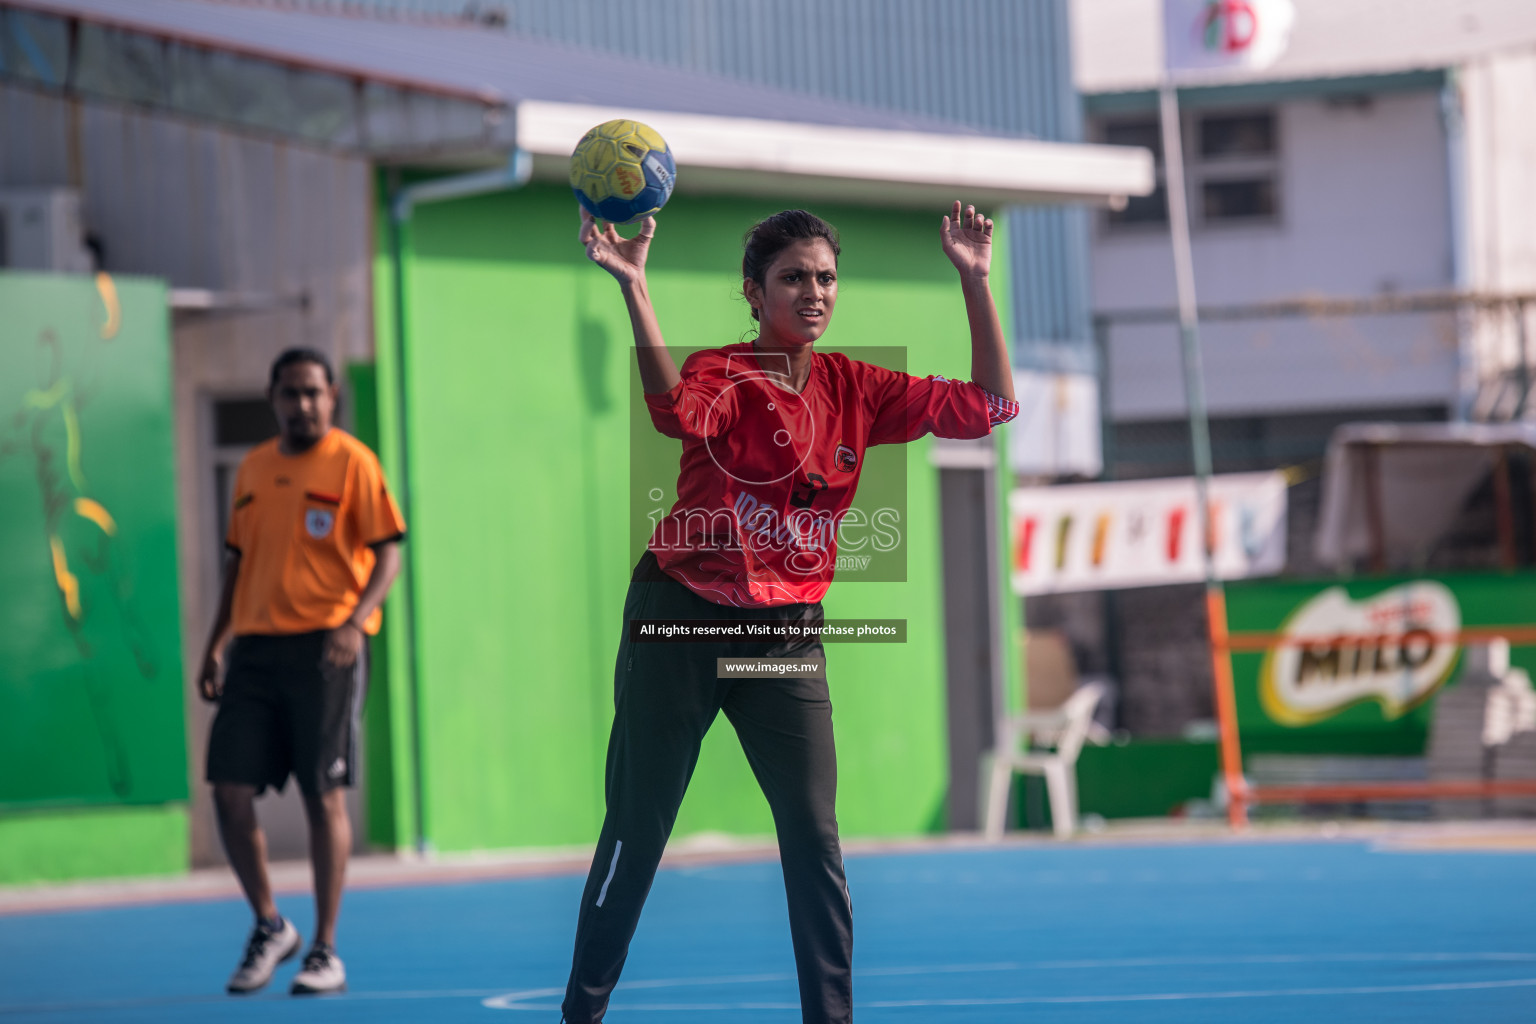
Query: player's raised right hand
point(967, 239)
point(622, 257)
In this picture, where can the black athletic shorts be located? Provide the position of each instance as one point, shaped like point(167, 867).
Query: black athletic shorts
point(285, 711)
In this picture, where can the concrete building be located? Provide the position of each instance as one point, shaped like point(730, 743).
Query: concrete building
point(1388, 153)
point(254, 159)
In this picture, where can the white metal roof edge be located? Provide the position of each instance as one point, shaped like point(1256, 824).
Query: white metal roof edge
point(1455, 433)
point(1023, 169)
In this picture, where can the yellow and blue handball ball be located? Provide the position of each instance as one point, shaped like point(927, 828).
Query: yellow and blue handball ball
point(622, 171)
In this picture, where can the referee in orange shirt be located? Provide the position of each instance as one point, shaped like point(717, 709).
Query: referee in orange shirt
point(312, 549)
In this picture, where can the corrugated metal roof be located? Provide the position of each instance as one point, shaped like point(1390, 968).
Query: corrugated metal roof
point(1118, 47)
point(488, 64)
point(996, 65)
point(315, 77)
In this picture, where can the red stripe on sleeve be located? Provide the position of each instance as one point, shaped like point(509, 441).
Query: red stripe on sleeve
point(1000, 410)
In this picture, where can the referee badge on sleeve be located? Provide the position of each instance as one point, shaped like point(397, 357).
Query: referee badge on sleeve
point(318, 521)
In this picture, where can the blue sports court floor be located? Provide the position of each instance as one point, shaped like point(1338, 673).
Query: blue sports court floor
point(1248, 931)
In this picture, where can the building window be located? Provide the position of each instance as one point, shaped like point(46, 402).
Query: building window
point(1148, 209)
point(1238, 169)
point(1242, 199)
point(1231, 168)
point(1237, 135)
point(239, 424)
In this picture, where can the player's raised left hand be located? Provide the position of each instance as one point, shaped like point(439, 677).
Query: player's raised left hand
point(967, 239)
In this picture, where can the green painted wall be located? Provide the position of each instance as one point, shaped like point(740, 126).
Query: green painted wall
point(93, 842)
point(383, 772)
point(91, 705)
point(1144, 778)
point(517, 389)
point(93, 774)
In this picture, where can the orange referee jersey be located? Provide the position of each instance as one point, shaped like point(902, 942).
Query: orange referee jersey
point(303, 525)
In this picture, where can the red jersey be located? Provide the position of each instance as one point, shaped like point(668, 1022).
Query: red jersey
point(767, 474)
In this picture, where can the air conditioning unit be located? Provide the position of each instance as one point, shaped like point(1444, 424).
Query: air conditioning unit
point(41, 229)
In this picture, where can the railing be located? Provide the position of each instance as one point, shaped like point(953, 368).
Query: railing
point(1363, 791)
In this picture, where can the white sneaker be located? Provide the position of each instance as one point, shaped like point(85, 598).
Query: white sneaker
point(323, 972)
point(263, 952)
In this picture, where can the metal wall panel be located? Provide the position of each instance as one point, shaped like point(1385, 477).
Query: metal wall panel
point(999, 65)
point(203, 207)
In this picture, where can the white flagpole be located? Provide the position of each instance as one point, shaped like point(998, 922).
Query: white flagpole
point(1200, 440)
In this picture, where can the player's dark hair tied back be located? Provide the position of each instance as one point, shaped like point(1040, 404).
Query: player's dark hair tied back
point(294, 356)
point(772, 235)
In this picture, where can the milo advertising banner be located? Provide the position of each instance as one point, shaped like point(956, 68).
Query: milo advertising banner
point(1354, 667)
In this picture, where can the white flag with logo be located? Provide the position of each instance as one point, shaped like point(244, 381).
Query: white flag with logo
point(1203, 35)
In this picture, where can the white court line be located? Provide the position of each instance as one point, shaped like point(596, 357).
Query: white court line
point(273, 995)
point(518, 1000)
point(1354, 990)
point(523, 1000)
point(1204, 961)
point(540, 993)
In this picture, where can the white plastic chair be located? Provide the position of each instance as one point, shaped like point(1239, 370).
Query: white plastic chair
point(1058, 737)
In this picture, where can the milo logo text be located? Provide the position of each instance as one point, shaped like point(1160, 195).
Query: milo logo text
point(1396, 648)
